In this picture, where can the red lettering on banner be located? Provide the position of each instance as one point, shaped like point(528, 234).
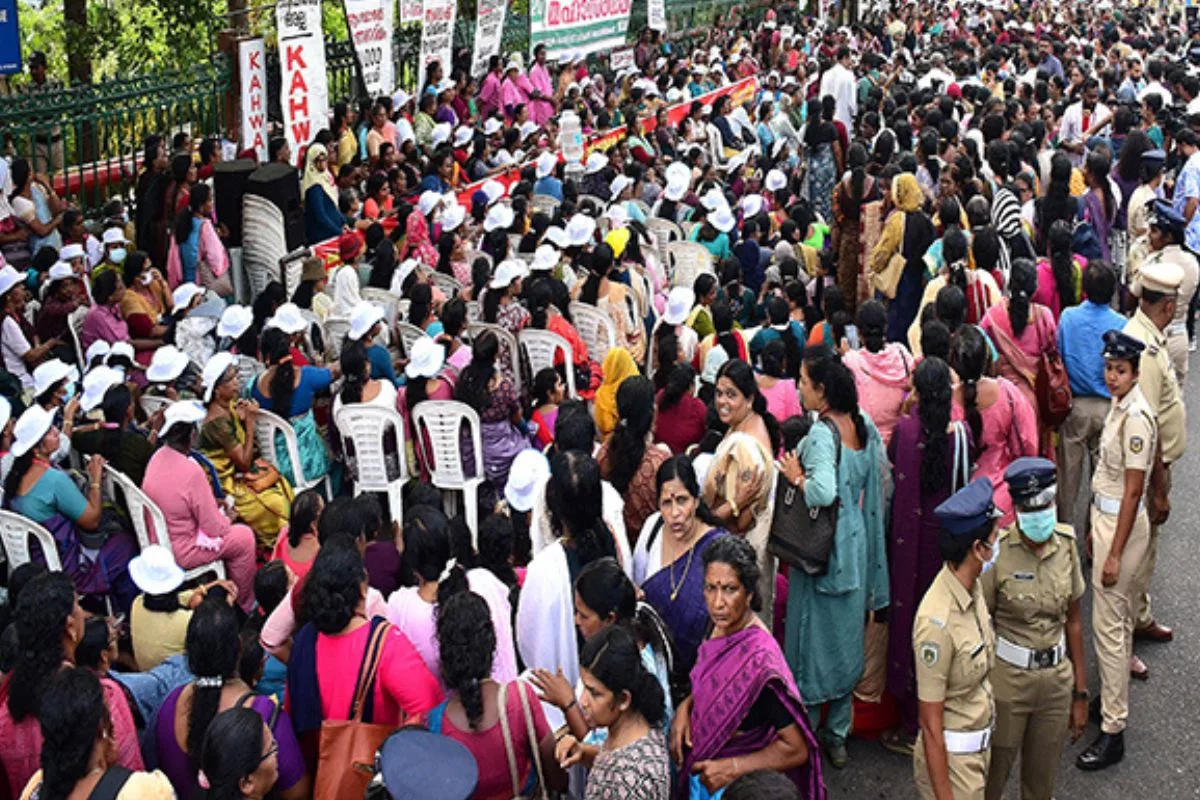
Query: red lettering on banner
point(298, 85)
point(255, 83)
point(298, 106)
point(295, 57)
point(256, 102)
point(258, 122)
point(258, 140)
point(301, 128)
point(255, 56)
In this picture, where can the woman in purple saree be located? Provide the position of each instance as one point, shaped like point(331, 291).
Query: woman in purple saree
point(745, 713)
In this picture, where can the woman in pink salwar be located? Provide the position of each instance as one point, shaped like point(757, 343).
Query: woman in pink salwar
point(514, 91)
point(199, 530)
point(541, 98)
point(1002, 421)
point(489, 101)
point(882, 371)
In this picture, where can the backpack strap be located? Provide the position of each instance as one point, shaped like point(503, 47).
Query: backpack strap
point(111, 783)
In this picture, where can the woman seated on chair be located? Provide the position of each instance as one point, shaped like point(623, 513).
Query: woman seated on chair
point(289, 392)
point(201, 531)
point(123, 446)
point(104, 320)
point(549, 305)
point(495, 399)
point(63, 293)
point(261, 496)
point(48, 496)
point(428, 379)
point(147, 298)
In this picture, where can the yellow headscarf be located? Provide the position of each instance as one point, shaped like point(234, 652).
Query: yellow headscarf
point(320, 177)
point(618, 365)
point(906, 192)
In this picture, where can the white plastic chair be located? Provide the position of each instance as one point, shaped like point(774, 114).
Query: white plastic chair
point(143, 510)
point(75, 326)
point(291, 267)
point(438, 425)
point(686, 260)
point(385, 300)
point(474, 312)
point(409, 333)
point(663, 231)
point(544, 203)
point(650, 348)
point(595, 328)
point(508, 343)
point(150, 404)
point(15, 531)
point(540, 348)
point(447, 283)
point(264, 242)
point(364, 425)
point(268, 424)
point(336, 329)
point(248, 370)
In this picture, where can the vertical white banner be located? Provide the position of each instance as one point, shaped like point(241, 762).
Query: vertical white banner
point(656, 15)
point(304, 91)
point(411, 11)
point(489, 27)
point(371, 24)
point(437, 35)
point(252, 77)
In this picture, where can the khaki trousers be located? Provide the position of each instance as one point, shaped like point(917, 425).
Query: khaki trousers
point(968, 773)
point(1078, 451)
point(1033, 710)
point(1177, 344)
point(1113, 609)
point(1144, 616)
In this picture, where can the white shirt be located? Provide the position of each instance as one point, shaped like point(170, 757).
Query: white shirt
point(839, 83)
point(15, 346)
point(1155, 87)
point(1072, 129)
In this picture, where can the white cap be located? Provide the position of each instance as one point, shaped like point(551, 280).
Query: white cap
point(154, 570)
point(96, 348)
point(674, 95)
point(5, 412)
point(168, 363)
point(528, 128)
point(441, 133)
point(596, 161)
point(676, 189)
point(546, 163)
point(444, 85)
point(114, 236)
point(184, 293)
point(498, 217)
point(557, 237)
point(235, 320)
point(492, 126)
point(722, 219)
point(713, 199)
point(775, 181)
point(400, 99)
point(751, 205)
point(453, 216)
point(186, 412)
point(617, 215)
point(507, 271)
point(429, 201)
point(512, 64)
point(95, 385)
point(72, 251)
point(679, 305)
point(580, 229)
point(59, 272)
point(120, 349)
point(494, 190)
point(545, 259)
point(619, 184)
point(32, 426)
point(406, 267)
point(9, 278)
point(404, 131)
point(51, 372)
point(363, 317)
point(288, 319)
point(425, 358)
point(678, 171)
point(529, 472)
point(216, 367)
point(462, 135)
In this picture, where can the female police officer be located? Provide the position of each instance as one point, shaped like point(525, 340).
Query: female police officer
point(954, 648)
point(1033, 593)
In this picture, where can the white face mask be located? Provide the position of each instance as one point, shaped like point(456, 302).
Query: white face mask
point(147, 278)
point(991, 562)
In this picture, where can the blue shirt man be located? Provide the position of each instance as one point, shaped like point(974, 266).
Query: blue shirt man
point(1081, 343)
point(1187, 187)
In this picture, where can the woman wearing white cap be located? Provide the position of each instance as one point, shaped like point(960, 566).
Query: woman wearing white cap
point(199, 529)
point(126, 448)
point(501, 305)
point(514, 91)
point(62, 293)
point(18, 341)
point(260, 495)
point(48, 496)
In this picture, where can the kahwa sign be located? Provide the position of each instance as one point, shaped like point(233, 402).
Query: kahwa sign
point(578, 26)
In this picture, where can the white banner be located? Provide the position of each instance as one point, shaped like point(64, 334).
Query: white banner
point(656, 15)
point(371, 24)
point(437, 35)
point(252, 76)
point(622, 59)
point(304, 92)
point(489, 26)
point(578, 26)
point(411, 11)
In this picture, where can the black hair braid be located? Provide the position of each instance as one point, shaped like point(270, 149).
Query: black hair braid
point(467, 645)
point(932, 383)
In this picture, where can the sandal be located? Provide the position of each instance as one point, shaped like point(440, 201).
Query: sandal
point(897, 741)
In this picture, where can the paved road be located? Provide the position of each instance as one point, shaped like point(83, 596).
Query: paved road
point(1162, 744)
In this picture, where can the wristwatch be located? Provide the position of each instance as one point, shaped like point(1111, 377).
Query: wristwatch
point(1078, 695)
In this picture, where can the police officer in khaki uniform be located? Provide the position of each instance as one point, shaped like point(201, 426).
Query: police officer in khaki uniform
point(1157, 289)
point(1040, 678)
point(1120, 539)
point(1166, 241)
point(954, 648)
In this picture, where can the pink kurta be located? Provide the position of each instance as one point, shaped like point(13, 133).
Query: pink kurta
point(200, 533)
point(489, 100)
point(1009, 432)
point(539, 79)
point(882, 380)
point(513, 94)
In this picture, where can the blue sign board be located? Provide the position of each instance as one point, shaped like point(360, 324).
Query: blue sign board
point(10, 38)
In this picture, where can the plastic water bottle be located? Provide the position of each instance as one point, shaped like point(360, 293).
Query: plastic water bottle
point(570, 137)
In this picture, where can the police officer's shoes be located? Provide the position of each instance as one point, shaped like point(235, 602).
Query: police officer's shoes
point(1108, 749)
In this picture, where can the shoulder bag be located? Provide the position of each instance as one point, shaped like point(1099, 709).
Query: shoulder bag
point(803, 536)
point(346, 760)
point(960, 473)
point(538, 790)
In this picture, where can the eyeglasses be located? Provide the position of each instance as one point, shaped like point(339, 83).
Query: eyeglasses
point(272, 750)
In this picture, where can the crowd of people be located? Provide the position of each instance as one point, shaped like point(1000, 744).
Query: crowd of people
point(837, 354)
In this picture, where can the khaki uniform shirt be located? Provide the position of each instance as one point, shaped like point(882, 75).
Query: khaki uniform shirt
point(955, 648)
point(1030, 593)
point(1126, 442)
point(1159, 387)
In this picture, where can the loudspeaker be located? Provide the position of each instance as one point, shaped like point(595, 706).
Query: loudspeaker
point(280, 184)
point(229, 185)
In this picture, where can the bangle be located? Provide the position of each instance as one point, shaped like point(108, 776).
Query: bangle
point(1079, 695)
point(734, 506)
point(95, 485)
point(574, 702)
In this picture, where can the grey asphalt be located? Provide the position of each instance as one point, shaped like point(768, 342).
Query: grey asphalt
point(1162, 743)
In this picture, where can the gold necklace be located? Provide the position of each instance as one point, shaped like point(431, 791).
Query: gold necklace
point(677, 588)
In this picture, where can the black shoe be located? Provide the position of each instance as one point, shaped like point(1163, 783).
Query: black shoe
point(1108, 749)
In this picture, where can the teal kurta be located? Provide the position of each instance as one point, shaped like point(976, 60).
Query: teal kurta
point(824, 632)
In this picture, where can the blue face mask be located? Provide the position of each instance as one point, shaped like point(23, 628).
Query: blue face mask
point(1038, 525)
point(991, 562)
point(70, 393)
point(117, 256)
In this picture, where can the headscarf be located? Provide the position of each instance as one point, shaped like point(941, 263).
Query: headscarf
point(6, 188)
point(906, 192)
point(618, 365)
point(317, 177)
point(345, 291)
point(416, 237)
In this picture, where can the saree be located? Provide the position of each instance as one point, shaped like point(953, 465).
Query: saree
point(730, 674)
point(681, 605)
point(618, 365)
point(314, 457)
point(266, 511)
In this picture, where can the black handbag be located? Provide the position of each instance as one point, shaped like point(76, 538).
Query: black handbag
point(803, 536)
